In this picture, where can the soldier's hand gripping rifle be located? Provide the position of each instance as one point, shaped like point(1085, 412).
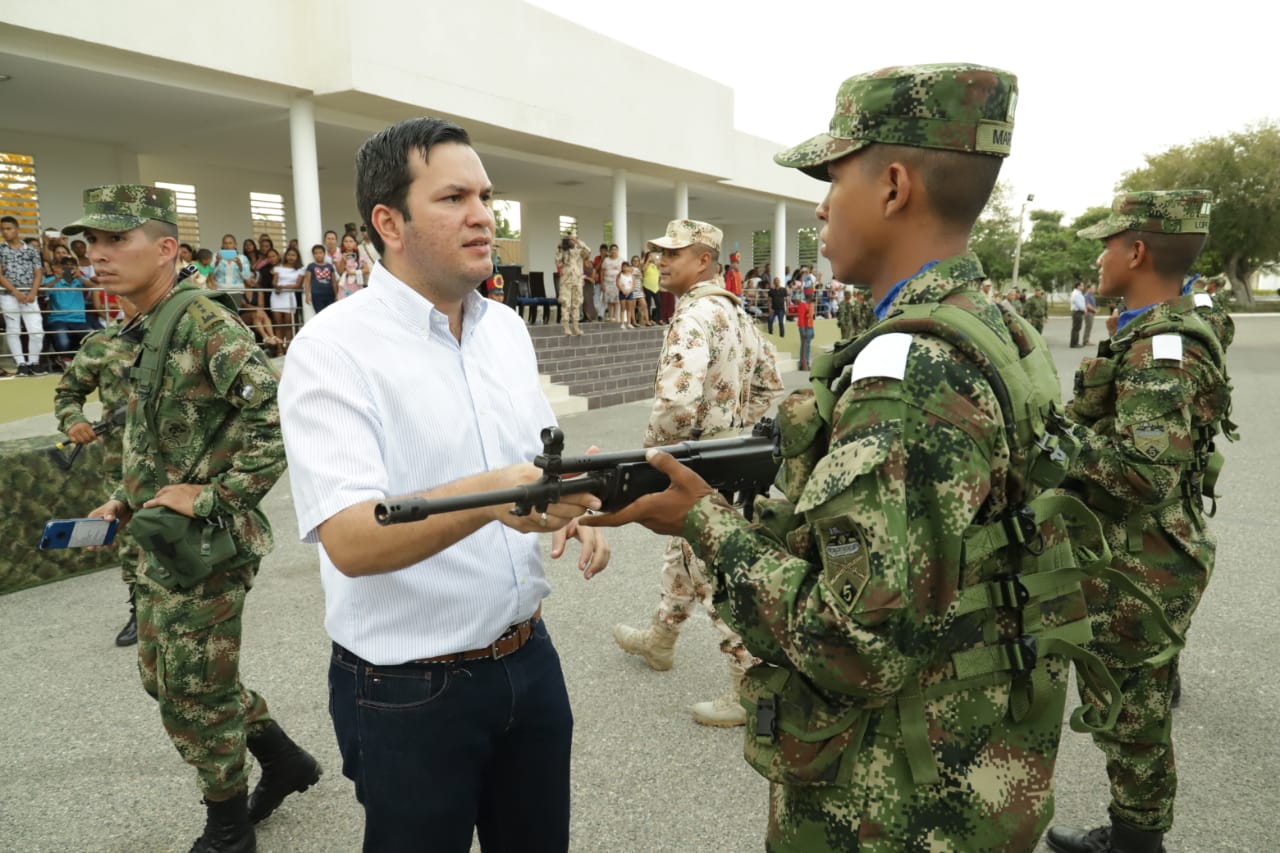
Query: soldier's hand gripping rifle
point(739, 468)
point(110, 421)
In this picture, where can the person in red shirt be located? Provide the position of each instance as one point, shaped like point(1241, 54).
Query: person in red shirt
point(733, 278)
point(804, 322)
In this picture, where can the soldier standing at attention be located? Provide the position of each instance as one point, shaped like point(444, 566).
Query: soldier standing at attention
point(897, 595)
point(844, 316)
point(102, 364)
point(716, 376)
point(570, 256)
point(214, 453)
point(1153, 400)
point(1036, 310)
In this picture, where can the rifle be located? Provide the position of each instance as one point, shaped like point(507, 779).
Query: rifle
point(112, 420)
point(739, 468)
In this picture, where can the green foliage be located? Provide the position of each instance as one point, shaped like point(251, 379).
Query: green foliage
point(1243, 171)
point(995, 234)
point(502, 225)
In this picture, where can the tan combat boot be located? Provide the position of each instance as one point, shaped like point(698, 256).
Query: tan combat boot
point(656, 644)
point(724, 710)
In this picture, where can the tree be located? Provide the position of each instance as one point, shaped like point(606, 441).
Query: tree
point(995, 234)
point(1242, 170)
point(502, 229)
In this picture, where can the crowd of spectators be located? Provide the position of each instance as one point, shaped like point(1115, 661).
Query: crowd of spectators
point(51, 297)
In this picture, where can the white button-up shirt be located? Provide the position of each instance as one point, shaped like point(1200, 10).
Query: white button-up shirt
point(378, 400)
point(1077, 300)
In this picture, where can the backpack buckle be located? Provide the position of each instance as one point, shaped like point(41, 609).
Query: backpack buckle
point(1021, 653)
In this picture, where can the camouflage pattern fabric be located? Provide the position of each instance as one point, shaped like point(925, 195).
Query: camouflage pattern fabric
point(1155, 211)
point(102, 364)
point(857, 607)
point(684, 585)
point(954, 107)
point(1149, 420)
point(716, 373)
point(218, 424)
point(189, 660)
point(123, 207)
point(864, 315)
point(570, 264)
point(844, 319)
point(1212, 308)
point(37, 489)
point(686, 232)
point(1036, 311)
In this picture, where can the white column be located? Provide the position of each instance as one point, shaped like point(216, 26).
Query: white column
point(778, 243)
point(620, 211)
point(306, 179)
point(682, 200)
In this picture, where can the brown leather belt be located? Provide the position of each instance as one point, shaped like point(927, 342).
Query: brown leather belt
point(512, 640)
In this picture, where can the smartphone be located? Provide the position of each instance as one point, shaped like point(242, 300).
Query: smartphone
point(227, 254)
point(77, 533)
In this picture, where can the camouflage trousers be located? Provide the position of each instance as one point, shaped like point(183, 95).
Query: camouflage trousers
point(130, 556)
point(570, 304)
point(189, 660)
point(846, 331)
point(1139, 751)
point(684, 584)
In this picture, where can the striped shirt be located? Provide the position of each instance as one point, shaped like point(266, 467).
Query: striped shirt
point(379, 399)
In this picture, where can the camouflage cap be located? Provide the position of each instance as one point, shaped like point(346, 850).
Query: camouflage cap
point(686, 232)
point(1157, 212)
point(955, 107)
point(123, 207)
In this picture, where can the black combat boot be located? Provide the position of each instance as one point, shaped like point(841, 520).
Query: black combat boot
point(286, 769)
point(128, 635)
point(1176, 699)
point(1119, 837)
point(227, 828)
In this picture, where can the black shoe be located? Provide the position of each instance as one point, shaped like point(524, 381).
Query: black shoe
point(128, 635)
point(24, 370)
point(1176, 700)
point(37, 369)
point(286, 769)
point(227, 828)
point(1119, 837)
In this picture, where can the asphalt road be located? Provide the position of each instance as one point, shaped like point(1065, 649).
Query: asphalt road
point(85, 765)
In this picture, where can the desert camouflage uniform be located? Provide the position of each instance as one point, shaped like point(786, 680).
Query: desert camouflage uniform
point(716, 375)
point(218, 425)
point(1153, 401)
point(102, 363)
point(570, 264)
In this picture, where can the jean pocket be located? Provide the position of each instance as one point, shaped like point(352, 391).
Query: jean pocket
point(386, 690)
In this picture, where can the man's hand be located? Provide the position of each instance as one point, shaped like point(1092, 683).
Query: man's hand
point(595, 548)
point(82, 434)
point(557, 515)
point(665, 511)
point(180, 498)
point(111, 511)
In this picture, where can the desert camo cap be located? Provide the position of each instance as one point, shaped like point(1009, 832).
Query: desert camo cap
point(954, 106)
point(1156, 212)
point(686, 232)
point(123, 207)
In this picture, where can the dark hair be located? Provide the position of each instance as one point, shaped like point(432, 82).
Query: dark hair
point(284, 259)
point(331, 231)
point(613, 245)
point(382, 164)
point(318, 246)
point(8, 219)
point(604, 246)
point(204, 253)
point(957, 183)
point(1171, 254)
point(566, 244)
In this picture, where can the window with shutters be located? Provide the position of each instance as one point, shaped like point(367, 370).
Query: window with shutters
point(267, 213)
point(568, 225)
point(607, 237)
point(188, 215)
point(761, 246)
point(808, 247)
point(18, 195)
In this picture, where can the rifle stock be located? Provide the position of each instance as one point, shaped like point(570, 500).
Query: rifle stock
point(743, 466)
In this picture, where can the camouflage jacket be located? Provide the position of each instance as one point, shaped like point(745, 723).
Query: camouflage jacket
point(1152, 404)
point(1212, 308)
point(862, 602)
point(101, 364)
point(570, 264)
point(218, 425)
point(864, 315)
point(844, 316)
point(715, 374)
point(1035, 308)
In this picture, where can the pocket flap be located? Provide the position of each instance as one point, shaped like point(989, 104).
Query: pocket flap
point(837, 471)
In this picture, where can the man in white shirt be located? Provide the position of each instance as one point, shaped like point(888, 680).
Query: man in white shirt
point(1078, 306)
point(447, 697)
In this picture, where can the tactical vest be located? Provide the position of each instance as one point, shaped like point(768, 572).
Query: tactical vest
point(795, 735)
point(1095, 400)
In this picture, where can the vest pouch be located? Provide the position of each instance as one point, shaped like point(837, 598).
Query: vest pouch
point(799, 427)
point(187, 550)
point(794, 735)
point(1095, 393)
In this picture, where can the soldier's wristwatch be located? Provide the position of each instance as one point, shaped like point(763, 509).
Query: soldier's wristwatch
point(202, 506)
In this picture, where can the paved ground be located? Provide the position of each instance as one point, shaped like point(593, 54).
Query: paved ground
point(85, 766)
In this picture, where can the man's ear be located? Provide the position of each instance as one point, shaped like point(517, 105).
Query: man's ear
point(896, 187)
point(1139, 255)
point(390, 226)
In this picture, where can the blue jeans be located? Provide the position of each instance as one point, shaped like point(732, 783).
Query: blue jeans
point(806, 339)
point(782, 322)
point(437, 750)
point(61, 340)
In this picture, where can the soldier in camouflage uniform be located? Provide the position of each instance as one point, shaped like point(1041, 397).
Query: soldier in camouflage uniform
point(864, 316)
point(844, 316)
point(102, 364)
point(216, 452)
point(894, 711)
point(1153, 400)
point(716, 375)
point(570, 257)
point(1036, 310)
point(1210, 302)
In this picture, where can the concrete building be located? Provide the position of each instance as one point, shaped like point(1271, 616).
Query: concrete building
point(273, 98)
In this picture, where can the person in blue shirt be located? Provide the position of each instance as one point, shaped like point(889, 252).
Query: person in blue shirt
point(67, 320)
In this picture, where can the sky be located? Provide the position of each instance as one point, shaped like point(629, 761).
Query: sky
point(1100, 84)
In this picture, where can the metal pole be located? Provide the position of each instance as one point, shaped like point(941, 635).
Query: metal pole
point(1017, 246)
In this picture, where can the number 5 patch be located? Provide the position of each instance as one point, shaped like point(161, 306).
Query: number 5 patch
point(846, 562)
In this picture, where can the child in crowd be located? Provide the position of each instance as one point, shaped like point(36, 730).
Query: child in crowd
point(204, 269)
point(351, 247)
point(627, 297)
point(320, 281)
point(67, 321)
point(284, 287)
point(351, 279)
